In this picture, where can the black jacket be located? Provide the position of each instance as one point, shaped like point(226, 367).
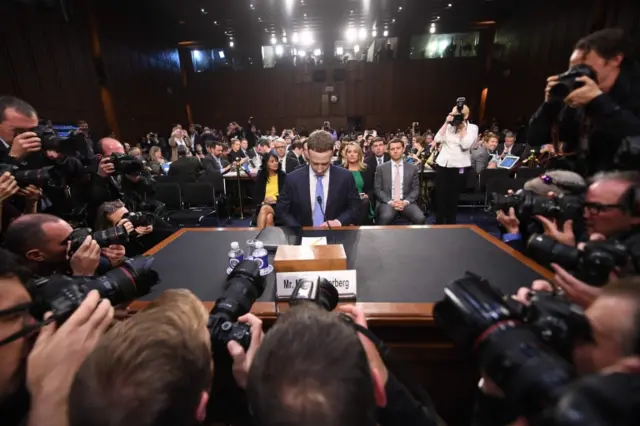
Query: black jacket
point(186, 169)
point(611, 117)
point(134, 194)
point(372, 161)
point(291, 162)
point(235, 154)
point(261, 186)
point(517, 149)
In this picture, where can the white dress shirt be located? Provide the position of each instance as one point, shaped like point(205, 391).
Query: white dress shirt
point(394, 168)
point(455, 151)
point(313, 178)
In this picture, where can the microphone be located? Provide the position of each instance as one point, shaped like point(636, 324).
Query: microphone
point(319, 200)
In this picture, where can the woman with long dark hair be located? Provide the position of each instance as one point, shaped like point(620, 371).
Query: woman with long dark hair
point(268, 186)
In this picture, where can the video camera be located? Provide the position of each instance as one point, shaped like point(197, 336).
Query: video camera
point(458, 118)
point(110, 236)
point(244, 286)
point(567, 81)
point(523, 349)
point(528, 204)
point(317, 290)
point(591, 265)
point(126, 164)
point(62, 294)
point(140, 218)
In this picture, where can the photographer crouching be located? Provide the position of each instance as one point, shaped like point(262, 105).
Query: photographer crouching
point(593, 106)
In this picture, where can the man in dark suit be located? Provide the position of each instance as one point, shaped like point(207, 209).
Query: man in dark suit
point(509, 147)
point(236, 153)
point(378, 156)
point(397, 188)
point(16, 114)
point(319, 194)
point(186, 169)
point(294, 157)
point(214, 162)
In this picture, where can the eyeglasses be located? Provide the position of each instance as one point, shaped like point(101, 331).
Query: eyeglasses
point(23, 313)
point(597, 208)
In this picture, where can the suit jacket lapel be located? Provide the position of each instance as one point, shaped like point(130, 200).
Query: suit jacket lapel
point(389, 166)
point(306, 197)
point(332, 188)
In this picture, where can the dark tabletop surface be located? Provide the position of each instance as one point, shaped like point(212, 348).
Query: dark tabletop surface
point(393, 265)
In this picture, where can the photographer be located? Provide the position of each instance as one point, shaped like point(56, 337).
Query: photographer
point(113, 213)
point(17, 115)
point(600, 110)
point(43, 241)
point(456, 135)
point(36, 372)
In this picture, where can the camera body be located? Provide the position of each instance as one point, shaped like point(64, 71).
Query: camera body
point(567, 81)
point(528, 204)
point(140, 218)
point(593, 264)
point(317, 290)
point(62, 294)
point(115, 235)
point(126, 164)
point(244, 286)
point(458, 118)
point(45, 176)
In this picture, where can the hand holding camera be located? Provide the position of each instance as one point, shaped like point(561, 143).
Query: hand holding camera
point(24, 143)
point(115, 253)
point(128, 226)
point(106, 167)
point(143, 230)
point(510, 221)
point(8, 186)
point(564, 236)
point(242, 360)
point(31, 193)
point(86, 259)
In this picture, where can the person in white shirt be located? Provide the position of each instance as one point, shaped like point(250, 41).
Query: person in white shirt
point(453, 161)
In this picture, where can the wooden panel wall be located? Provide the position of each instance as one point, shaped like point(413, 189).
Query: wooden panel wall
point(391, 95)
point(47, 61)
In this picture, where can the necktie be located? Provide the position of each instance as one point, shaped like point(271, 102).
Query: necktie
point(397, 196)
point(318, 217)
point(379, 161)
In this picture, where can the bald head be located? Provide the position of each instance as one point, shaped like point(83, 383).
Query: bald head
point(110, 146)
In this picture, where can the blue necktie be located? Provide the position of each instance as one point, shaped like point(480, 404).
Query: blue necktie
point(318, 217)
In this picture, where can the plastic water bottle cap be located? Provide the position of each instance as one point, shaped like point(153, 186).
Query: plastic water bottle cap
point(235, 245)
point(259, 244)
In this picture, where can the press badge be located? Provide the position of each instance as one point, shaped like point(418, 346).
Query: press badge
point(461, 170)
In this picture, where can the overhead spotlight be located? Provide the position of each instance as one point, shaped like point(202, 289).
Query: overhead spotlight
point(374, 33)
point(274, 40)
point(400, 9)
point(351, 12)
point(215, 22)
point(362, 34)
point(317, 52)
point(306, 38)
point(284, 40)
point(356, 48)
point(437, 17)
point(432, 30)
point(385, 33)
point(302, 53)
point(202, 10)
point(221, 54)
point(279, 50)
point(294, 37)
point(393, 21)
point(301, 1)
point(351, 34)
point(305, 15)
point(259, 19)
point(449, 5)
point(339, 50)
point(231, 44)
point(251, 6)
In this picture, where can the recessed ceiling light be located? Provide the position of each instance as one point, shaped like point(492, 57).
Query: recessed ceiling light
point(284, 39)
point(351, 12)
point(385, 33)
point(259, 19)
point(230, 44)
point(215, 22)
point(274, 40)
point(374, 33)
point(393, 21)
point(400, 9)
point(305, 15)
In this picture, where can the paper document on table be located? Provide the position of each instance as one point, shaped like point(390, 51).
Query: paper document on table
point(314, 241)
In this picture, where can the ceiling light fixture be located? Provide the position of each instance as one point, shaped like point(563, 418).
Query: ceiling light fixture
point(339, 50)
point(279, 50)
point(215, 22)
point(393, 21)
point(374, 33)
point(274, 40)
point(449, 5)
point(284, 40)
point(302, 53)
point(351, 12)
point(351, 34)
point(400, 9)
point(317, 52)
point(385, 33)
point(307, 38)
point(432, 30)
point(362, 34)
point(221, 54)
point(356, 48)
point(305, 15)
point(294, 38)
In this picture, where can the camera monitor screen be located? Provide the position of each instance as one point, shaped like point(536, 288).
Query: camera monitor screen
point(508, 162)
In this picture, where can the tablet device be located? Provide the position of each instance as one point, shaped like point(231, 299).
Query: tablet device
point(508, 162)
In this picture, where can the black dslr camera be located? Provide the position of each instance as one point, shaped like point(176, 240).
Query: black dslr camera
point(244, 286)
point(567, 81)
point(49, 139)
point(46, 176)
point(523, 349)
point(126, 164)
point(317, 290)
point(527, 204)
point(592, 265)
point(115, 235)
point(459, 117)
point(140, 218)
point(62, 294)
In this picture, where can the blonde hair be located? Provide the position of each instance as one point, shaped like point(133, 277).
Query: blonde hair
point(181, 304)
point(356, 146)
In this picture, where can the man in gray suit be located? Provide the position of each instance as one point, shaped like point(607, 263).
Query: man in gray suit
point(481, 154)
point(397, 188)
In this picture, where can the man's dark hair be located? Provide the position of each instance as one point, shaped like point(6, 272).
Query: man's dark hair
point(320, 141)
point(27, 233)
point(509, 134)
point(212, 144)
point(297, 145)
point(81, 122)
point(182, 151)
point(345, 139)
point(608, 43)
point(327, 380)
point(264, 143)
point(378, 139)
point(11, 266)
point(396, 140)
point(22, 107)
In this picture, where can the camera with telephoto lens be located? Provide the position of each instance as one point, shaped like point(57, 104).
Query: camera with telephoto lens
point(317, 290)
point(592, 265)
point(116, 235)
point(244, 286)
point(567, 81)
point(528, 204)
point(45, 176)
point(459, 117)
point(62, 294)
point(524, 350)
point(126, 164)
point(140, 218)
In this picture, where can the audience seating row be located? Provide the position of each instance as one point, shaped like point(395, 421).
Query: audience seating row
point(189, 203)
point(481, 186)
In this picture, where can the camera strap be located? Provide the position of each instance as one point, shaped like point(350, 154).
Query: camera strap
point(25, 331)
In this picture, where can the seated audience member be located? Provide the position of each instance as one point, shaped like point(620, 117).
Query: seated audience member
point(319, 181)
point(43, 241)
point(263, 147)
point(363, 176)
point(509, 147)
point(397, 188)
point(226, 150)
point(294, 157)
point(50, 358)
point(186, 169)
point(481, 156)
point(111, 214)
point(334, 376)
point(340, 151)
point(244, 147)
point(199, 153)
point(156, 161)
point(380, 156)
point(268, 185)
point(237, 155)
point(417, 152)
point(153, 369)
point(280, 148)
point(305, 150)
point(215, 161)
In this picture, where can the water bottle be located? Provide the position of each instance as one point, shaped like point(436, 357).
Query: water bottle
point(236, 255)
point(261, 255)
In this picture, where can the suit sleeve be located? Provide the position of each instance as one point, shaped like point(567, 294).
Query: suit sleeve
point(608, 115)
point(481, 161)
point(352, 213)
point(412, 197)
point(381, 195)
point(283, 205)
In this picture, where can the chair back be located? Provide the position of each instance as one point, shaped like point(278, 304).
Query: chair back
point(170, 195)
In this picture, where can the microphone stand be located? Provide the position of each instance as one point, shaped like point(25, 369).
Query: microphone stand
point(319, 200)
point(239, 190)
